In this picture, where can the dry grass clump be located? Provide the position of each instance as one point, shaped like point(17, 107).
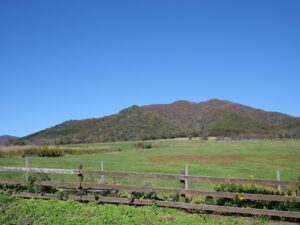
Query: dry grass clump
point(10, 151)
point(50, 151)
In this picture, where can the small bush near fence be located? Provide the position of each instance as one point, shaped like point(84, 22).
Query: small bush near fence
point(240, 201)
point(30, 185)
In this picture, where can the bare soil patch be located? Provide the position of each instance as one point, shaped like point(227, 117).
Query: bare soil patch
point(227, 159)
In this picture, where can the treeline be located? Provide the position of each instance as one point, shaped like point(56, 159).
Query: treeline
point(218, 133)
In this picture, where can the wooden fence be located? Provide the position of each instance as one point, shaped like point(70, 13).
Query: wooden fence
point(183, 191)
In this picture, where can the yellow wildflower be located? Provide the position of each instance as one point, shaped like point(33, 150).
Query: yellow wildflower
point(251, 177)
point(241, 197)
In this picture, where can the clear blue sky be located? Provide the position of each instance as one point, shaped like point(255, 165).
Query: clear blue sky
point(71, 59)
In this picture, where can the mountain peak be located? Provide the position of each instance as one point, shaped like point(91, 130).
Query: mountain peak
point(182, 102)
point(215, 100)
point(218, 101)
point(214, 117)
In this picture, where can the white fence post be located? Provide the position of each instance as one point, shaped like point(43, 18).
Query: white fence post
point(26, 166)
point(278, 178)
point(102, 176)
point(186, 174)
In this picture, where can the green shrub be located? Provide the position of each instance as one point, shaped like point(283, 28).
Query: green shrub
point(64, 194)
point(144, 195)
point(240, 201)
point(247, 188)
point(174, 197)
point(30, 185)
point(198, 200)
point(142, 145)
point(44, 151)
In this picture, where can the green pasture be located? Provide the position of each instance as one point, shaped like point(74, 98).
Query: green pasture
point(242, 159)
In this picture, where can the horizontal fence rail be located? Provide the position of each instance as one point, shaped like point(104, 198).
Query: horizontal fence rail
point(95, 187)
point(38, 170)
point(154, 176)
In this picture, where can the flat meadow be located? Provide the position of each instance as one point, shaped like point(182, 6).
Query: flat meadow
point(242, 159)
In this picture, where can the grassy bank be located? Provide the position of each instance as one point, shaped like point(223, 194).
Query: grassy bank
point(16, 211)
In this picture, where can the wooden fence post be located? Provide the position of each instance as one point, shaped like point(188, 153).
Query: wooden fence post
point(80, 176)
point(299, 186)
point(182, 186)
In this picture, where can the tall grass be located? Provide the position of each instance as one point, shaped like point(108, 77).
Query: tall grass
point(50, 151)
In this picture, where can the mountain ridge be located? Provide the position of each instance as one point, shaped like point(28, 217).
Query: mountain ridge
point(181, 118)
point(5, 138)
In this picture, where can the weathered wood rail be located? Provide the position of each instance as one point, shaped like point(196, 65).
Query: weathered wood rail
point(282, 183)
point(84, 186)
point(95, 187)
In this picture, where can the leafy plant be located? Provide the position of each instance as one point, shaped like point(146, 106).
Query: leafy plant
point(30, 185)
point(240, 201)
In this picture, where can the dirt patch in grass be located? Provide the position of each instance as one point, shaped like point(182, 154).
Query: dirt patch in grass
point(227, 159)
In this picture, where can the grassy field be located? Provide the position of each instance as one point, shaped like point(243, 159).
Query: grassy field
point(14, 211)
point(241, 159)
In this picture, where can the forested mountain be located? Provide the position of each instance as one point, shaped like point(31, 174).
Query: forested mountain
point(179, 119)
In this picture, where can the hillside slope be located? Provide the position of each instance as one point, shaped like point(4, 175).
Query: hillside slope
point(181, 118)
point(5, 138)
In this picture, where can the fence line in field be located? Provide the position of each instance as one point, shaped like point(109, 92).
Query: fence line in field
point(183, 177)
point(94, 187)
point(284, 183)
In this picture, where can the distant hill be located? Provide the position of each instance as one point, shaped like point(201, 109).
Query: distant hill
point(5, 138)
point(179, 119)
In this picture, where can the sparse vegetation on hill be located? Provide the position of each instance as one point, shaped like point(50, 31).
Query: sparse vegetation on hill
point(180, 119)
